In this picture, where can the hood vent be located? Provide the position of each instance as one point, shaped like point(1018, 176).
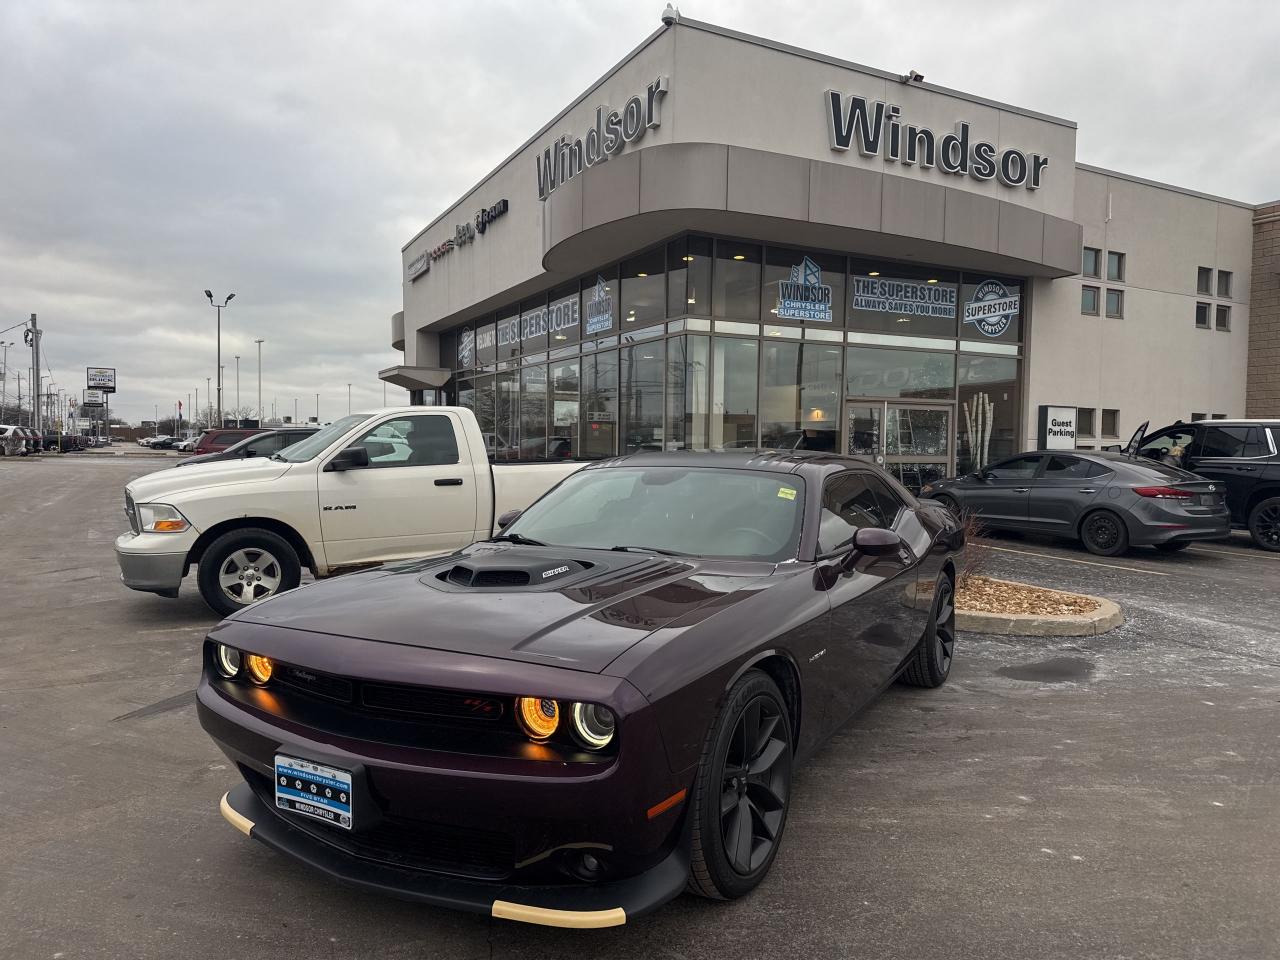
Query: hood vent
point(510, 570)
point(465, 576)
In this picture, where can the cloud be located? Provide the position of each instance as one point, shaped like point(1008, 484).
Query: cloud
point(285, 151)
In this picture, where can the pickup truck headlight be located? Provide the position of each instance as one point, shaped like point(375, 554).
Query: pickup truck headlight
point(161, 518)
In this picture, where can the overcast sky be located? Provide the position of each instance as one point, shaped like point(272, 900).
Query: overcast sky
point(285, 151)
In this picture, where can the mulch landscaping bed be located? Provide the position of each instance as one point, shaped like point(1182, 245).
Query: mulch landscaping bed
point(985, 595)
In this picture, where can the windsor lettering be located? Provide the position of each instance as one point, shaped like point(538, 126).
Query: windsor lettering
point(876, 129)
point(613, 130)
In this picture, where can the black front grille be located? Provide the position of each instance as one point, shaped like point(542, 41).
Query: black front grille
point(321, 684)
point(434, 703)
point(412, 844)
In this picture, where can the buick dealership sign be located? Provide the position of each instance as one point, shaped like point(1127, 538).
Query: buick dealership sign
point(875, 129)
point(992, 308)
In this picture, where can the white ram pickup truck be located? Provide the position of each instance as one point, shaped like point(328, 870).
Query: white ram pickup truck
point(369, 488)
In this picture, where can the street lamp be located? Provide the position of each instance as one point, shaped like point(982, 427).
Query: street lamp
point(260, 417)
point(209, 400)
point(218, 307)
point(237, 389)
point(348, 399)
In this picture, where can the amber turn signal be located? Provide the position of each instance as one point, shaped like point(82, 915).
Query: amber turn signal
point(260, 668)
point(539, 716)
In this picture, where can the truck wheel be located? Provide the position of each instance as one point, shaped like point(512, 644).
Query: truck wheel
point(1264, 523)
point(243, 566)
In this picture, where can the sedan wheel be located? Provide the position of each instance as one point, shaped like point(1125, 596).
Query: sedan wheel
point(1104, 534)
point(1264, 524)
point(742, 792)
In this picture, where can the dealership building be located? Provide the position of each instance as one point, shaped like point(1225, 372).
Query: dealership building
point(729, 242)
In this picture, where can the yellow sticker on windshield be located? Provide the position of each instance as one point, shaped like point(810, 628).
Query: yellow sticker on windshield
point(787, 493)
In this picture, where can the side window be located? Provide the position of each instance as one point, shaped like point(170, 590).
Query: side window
point(1018, 468)
point(1227, 442)
point(848, 504)
point(1098, 470)
point(226, 439)
point(1167, 443)
point(1066, 468)
point(411, 442)
point(890, 505)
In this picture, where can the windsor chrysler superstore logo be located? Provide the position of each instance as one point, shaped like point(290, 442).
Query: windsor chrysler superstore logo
point(804, 296)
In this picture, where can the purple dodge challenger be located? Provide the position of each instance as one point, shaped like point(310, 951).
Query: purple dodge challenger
point(576, 720)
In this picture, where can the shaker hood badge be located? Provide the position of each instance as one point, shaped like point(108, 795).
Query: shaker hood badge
point(613, 130)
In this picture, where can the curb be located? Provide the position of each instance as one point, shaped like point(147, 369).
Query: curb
point(1107, 617)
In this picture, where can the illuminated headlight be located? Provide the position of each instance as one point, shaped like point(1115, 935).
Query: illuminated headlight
point(539, 716)
point(593, 725)
point(161, 518)
point(260, 668)
point(227, 660)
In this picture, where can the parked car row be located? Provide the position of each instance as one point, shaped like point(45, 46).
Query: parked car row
point(21, 441)
point(1168, 489)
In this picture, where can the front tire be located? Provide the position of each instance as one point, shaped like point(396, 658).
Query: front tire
point(930, 665)
point(244, 566)
point(742, 791)
point(1104, 534)
point(1264, 523)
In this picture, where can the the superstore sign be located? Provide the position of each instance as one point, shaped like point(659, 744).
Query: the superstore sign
point(907, 298)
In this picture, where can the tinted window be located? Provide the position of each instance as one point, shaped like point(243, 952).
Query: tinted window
point(741, 514)
point(1066, 468)
point(226, 438)
point(1232, 442)
point(849, 503)
point(411, 442)
point(1019, 468)
point(1172, 442)
point(1099, 470)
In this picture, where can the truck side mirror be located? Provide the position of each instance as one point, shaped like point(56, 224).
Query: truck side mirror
point(351, 458)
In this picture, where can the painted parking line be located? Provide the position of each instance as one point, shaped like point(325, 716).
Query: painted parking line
point(1238, 554)
point(1087, 563)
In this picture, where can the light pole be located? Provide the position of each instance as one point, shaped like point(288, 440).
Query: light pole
point(295, 409)
point(348, 399)
point(260, 417)
point(237, 389)
point(156, 430)
point(4, 376)
point(222, 414)
point(218, 307)
point(317, 409)
point(208, 421)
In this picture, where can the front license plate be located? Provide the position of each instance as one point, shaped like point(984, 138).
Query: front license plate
point(314, 790)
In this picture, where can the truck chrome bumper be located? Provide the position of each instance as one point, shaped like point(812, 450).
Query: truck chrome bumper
point(151, 567)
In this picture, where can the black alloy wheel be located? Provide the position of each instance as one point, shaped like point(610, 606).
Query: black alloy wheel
point(1264, 524)
point(1104, 534)
point(742, 792)
point(931, 664)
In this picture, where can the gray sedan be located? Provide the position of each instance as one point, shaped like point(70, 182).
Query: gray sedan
point(1108, 501)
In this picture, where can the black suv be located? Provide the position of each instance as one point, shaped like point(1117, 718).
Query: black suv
point(1244, 455)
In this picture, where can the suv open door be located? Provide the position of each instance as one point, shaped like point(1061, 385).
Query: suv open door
point(1131, 449)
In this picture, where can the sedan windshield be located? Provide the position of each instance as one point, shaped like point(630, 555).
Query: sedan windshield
point(704, 512)
point(315, 444)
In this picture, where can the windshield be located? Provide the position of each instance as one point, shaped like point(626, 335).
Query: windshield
point(704, 512)
point(315, 444)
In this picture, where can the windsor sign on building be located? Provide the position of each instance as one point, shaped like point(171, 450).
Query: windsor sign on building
point(876, 129)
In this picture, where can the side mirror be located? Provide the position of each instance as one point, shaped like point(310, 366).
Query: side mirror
point(506, 519)
point(349, 459)
point(249, 452)
point(985, 475)
point(867, 542)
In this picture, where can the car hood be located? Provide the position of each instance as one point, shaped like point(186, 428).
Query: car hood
point(581, 610)
point(166, 483)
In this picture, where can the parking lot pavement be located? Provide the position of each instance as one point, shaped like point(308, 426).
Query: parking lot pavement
point(1116, 796)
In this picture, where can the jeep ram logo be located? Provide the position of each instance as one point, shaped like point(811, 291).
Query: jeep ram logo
point(350, 506)
point(555, 572)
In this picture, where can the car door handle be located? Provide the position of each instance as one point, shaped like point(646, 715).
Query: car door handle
point(449, 482)
point(1086, 490)
point(1021, 489)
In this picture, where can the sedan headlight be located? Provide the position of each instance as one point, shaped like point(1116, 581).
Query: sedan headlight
point(539, 717)
point(161, 518)
point(227, 660)
point(593, 725)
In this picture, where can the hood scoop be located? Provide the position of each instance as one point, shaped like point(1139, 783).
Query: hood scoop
point(509, 570)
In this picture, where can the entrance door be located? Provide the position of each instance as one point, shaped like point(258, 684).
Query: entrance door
point(912, 441)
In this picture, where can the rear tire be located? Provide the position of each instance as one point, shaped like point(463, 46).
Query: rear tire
point(1173, 546)
point(1104, 534)
point(930, 665)
point(742, 791)
point(271, 561)
point(1264, 523)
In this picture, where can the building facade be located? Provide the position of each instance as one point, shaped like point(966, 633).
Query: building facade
point(728, 242)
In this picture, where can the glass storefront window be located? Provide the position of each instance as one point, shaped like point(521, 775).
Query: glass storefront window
point(903, 299)
point(689, 276)
point(688, 367)
point(533, 325)
point(908, 374)
point(733, 392)
point(991, 308)
point(467, 394)
point(802, 287)
point(505, 418)
point(485, 406)
point(486, 345)
point(799, 396)
point(600, 301)
point(863, 426)
point(563, 442)
point(508, 334)
point(736, 280)
point(644, 289)
point(987, 416)
point(600, 405)
point(641, 396)
point(533, 412)
point(564, 318)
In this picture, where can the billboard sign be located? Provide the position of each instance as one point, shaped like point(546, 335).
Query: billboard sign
point(101, 378)
point(94, 398)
